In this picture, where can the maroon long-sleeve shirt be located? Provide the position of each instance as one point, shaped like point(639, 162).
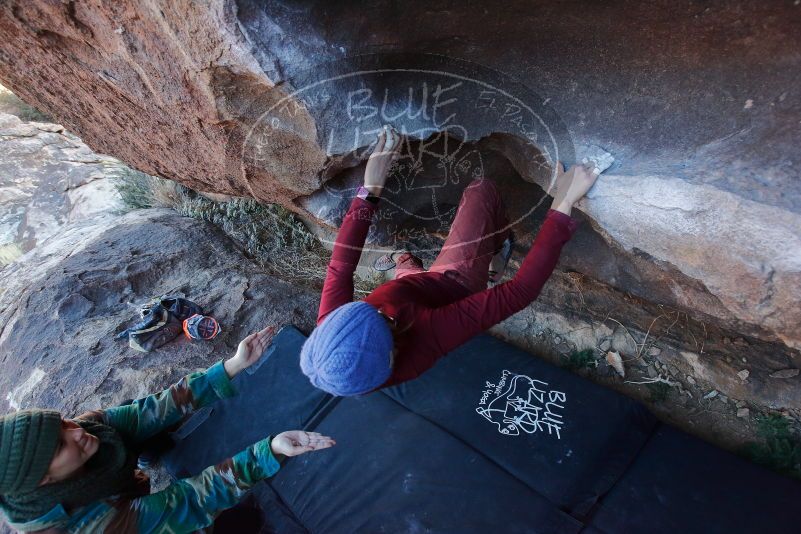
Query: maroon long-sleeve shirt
point(434, 313)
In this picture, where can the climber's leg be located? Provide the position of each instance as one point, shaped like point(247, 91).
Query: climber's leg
point(477, 234)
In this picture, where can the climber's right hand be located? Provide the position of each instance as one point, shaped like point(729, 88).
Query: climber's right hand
point(379, 162)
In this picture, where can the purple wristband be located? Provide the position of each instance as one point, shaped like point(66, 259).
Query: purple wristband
point(364, 194)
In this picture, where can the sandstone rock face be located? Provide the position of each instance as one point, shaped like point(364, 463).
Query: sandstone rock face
point(48, 178)
point(62, 303)
point(276, 100)
point(159, 85)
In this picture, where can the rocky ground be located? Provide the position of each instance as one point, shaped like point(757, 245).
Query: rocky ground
point(85, 285)
point(48, 178)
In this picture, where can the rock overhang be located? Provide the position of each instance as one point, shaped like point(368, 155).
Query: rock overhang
point(699, 104)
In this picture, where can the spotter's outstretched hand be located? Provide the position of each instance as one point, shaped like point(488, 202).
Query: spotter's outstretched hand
point(249, 351)
point(297, 442)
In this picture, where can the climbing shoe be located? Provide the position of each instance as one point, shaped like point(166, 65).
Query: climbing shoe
point(161, 321)
point(388, 261)
point(180, 307)
point(154, 330)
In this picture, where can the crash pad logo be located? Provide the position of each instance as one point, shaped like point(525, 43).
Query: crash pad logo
point(519, 404)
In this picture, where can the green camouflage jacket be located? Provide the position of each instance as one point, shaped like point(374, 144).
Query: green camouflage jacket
point(186, 505)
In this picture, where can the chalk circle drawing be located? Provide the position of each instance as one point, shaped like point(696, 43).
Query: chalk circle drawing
point(324, 119)
point(519, 404)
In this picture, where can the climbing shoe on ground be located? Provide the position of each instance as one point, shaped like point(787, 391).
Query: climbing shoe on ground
point(158, 327)
point(161, 321)
point(180, 307)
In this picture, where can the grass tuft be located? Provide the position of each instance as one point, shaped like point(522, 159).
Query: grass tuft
point(658, 391)
point(270, 234)
point(141, 191)
point(11, 103)
point(779, 449)
point(582, 359)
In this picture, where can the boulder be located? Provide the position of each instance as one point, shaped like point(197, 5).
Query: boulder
point(48, 178)
point(62, 303)
point(280, 101)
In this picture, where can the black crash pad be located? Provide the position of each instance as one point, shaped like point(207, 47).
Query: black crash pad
point(563, 436)
point(393, 471)
point(681, 484)
point(422, 456)
point(272, 396)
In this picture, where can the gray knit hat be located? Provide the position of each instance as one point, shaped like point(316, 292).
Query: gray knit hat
point(28, 441)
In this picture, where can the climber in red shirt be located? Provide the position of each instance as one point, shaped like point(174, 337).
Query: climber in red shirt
point(405, 325)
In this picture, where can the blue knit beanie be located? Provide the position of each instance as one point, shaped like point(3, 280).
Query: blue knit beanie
point(349, 353)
